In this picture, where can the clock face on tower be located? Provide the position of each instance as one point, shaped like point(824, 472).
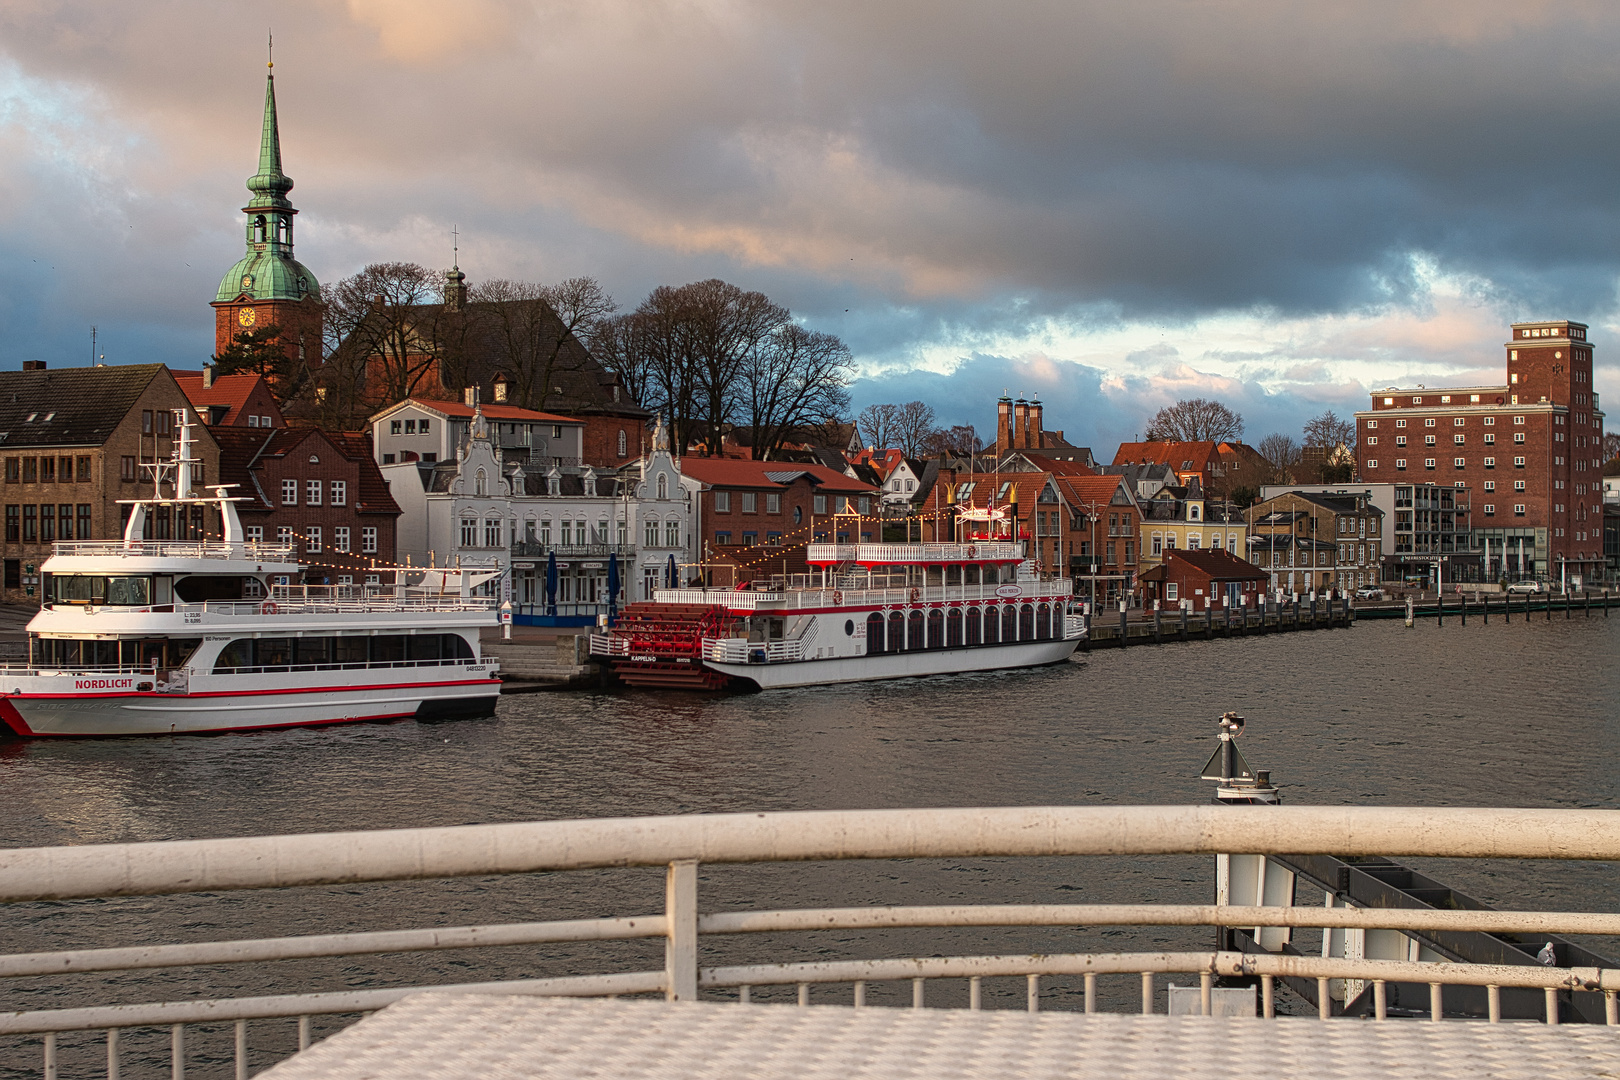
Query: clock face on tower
point(247, 316)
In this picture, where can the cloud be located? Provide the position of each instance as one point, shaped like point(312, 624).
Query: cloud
point(1302, 200)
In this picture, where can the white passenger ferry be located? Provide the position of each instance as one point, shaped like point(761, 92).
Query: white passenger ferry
point(144, 637)
point(864, 612)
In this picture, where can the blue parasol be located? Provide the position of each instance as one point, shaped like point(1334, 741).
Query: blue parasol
point(551, 583)
point(613, 588)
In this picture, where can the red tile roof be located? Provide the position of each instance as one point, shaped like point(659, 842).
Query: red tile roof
point(1213, 563)
point(1177, 455)
point(491, 412)
point(232, 391)
point(242, 450)
point(1059, 468)
point(730, 472)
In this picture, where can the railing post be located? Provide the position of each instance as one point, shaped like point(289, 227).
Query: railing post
point(680, 943)
point(1437, 1010)
point(112, 1054)
point(1380, 999)
point(1268, 997)
point(1552, 1005)
point(50, 1049)
point(1493, 1004)
point(1324, 1000)
point(1147, 993)
point(241, 1050)
point(1091, 992)
point(1033, 992)
point(177, 1052)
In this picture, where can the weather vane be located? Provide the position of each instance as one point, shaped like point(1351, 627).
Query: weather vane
point(272, 48)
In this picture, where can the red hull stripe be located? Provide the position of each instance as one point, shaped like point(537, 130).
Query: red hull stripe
point(257, 693)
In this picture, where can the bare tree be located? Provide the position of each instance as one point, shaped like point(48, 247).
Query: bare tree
point(537, 329)
point(657, 345)
point(958, 441)
point(875, 425)
point(1281, 453)
point(1328, 431)
point(619, 344)
point(1611, 445)
point(381, 329)
point(913, 427)
point(1195, 420)
point(798, 379)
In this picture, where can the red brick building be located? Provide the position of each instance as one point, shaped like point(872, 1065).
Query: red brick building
point(746, 504)
point(231, 400)
point(1221, 467)
point(1199, 577)
point(318, 489)
point(1528, 451)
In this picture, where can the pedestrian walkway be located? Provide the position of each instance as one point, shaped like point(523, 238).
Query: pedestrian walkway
point(432, 1036)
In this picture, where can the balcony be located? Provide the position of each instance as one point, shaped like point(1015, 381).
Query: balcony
point(534, 549)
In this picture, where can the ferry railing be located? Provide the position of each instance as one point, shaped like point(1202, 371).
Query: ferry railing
point(682, 844)
point(178, 549)
point(895, 554)
point(741, 651)
point(1029, 589)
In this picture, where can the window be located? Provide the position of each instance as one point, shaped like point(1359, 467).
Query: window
point(64, 521)
point(469, 532)
point(1490, 485)
point(146, 421)
point(1456, 440)
point(30, 524)
point(1490, 463)
point(30, 470)
point(312, 492)
point(289, 493)
point(1158, 544)
point(1428, 463)
point(1400, 440)
point(1400, 423)
point(410, 427)
point(1459, 462)
point(492, 532)
point(47, 470)
point(1518, 509)
point(340, 538)
point(819, 504)
point(84, 521)
point(368, 539)
point(394, 426)
point(750, 502)
point(722, 538)
point(1457, 421)
point(163, 418)
point(663, 486)
point(1518, 485)
point(1171, 591)
point(1429, 422)
point(749, 539)
point(1518, 420)
point(1371, 424)
point(14, 470)
point(1490, 438)
point(13, 523)
point(47, 523)
point(672, 533)
point(722, 502)
point(340, 493)
point(345, 579)
point(649, 533)
point(388, 459)
point(624, 444)
point(254, 533)
point(556, 431)
point(773, 502)
point(1400, 463)
point(1428, 440)
point(1372, 463)
point(264, 421)
point(312, 540)
point(1518, 436)
point(1373, 441)
point(865, 505)
point(1490, 421)
point(1518, 463)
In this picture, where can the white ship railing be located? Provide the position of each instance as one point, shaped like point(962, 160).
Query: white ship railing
point(608, 645)
point(742, 651)
point(178, 549)
point(1028, 589)
point(682, 844)
point(899, 554)
point(273, 606)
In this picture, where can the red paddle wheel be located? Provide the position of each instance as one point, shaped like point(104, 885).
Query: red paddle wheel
point(661, 645)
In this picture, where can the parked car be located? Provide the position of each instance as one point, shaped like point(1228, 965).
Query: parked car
point(1369, 592)
point(1527, 587)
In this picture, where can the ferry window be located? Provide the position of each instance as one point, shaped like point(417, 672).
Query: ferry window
point(914, 632)
point(992, 625)
point(973, 627)
point(1009, 623)
point(874, 633)
point(387, 649)
point(349, 650)
point(953, 629)
point(272, 652)
point(1026, 622)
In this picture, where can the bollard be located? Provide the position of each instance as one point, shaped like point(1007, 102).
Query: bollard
point(1409, 619)
point(1124, 630)
point(1485, 606)
point(1183, 620)
point(1462, 599)
point(1158, 627)
point(1439, 609)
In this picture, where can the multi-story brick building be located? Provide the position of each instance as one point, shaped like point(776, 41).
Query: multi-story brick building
point(1529, 451)
point(1309, 542)
point(320, 490)
point(73, 441)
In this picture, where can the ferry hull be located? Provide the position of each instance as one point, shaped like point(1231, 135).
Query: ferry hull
point(194, 714)
point(901, 665)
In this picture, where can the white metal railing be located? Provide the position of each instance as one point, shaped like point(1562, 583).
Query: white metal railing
point(681, 843)
point(283, 606)
point(608, 645)
point(179, 549)
point(1024, 589)
point(898, 554)
point(743, 651)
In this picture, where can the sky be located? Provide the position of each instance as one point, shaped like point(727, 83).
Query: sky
point(1109, 206)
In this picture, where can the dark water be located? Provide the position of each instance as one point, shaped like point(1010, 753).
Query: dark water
point(1497, 715)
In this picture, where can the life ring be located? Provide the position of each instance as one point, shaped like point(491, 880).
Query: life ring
point(916, 594)
point(973, 551)
point(838, 598)
point(267, 608)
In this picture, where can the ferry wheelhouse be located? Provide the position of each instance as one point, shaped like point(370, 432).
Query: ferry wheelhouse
point(139, 637)
point(863, 612)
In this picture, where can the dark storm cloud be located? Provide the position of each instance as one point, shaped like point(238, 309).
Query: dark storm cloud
point(900, 173)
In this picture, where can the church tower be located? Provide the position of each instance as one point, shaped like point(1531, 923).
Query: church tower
point(267, 286)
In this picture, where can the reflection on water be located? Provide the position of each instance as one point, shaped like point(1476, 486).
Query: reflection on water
point(1504, 715)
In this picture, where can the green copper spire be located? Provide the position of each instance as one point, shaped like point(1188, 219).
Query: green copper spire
point(268, 271)
point(270, 185)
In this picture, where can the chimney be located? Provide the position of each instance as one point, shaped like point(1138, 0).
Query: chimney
point(1035, 441)
point(1004, 428)
point(1020, 425)
point(34, 365)
point(208, 376)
